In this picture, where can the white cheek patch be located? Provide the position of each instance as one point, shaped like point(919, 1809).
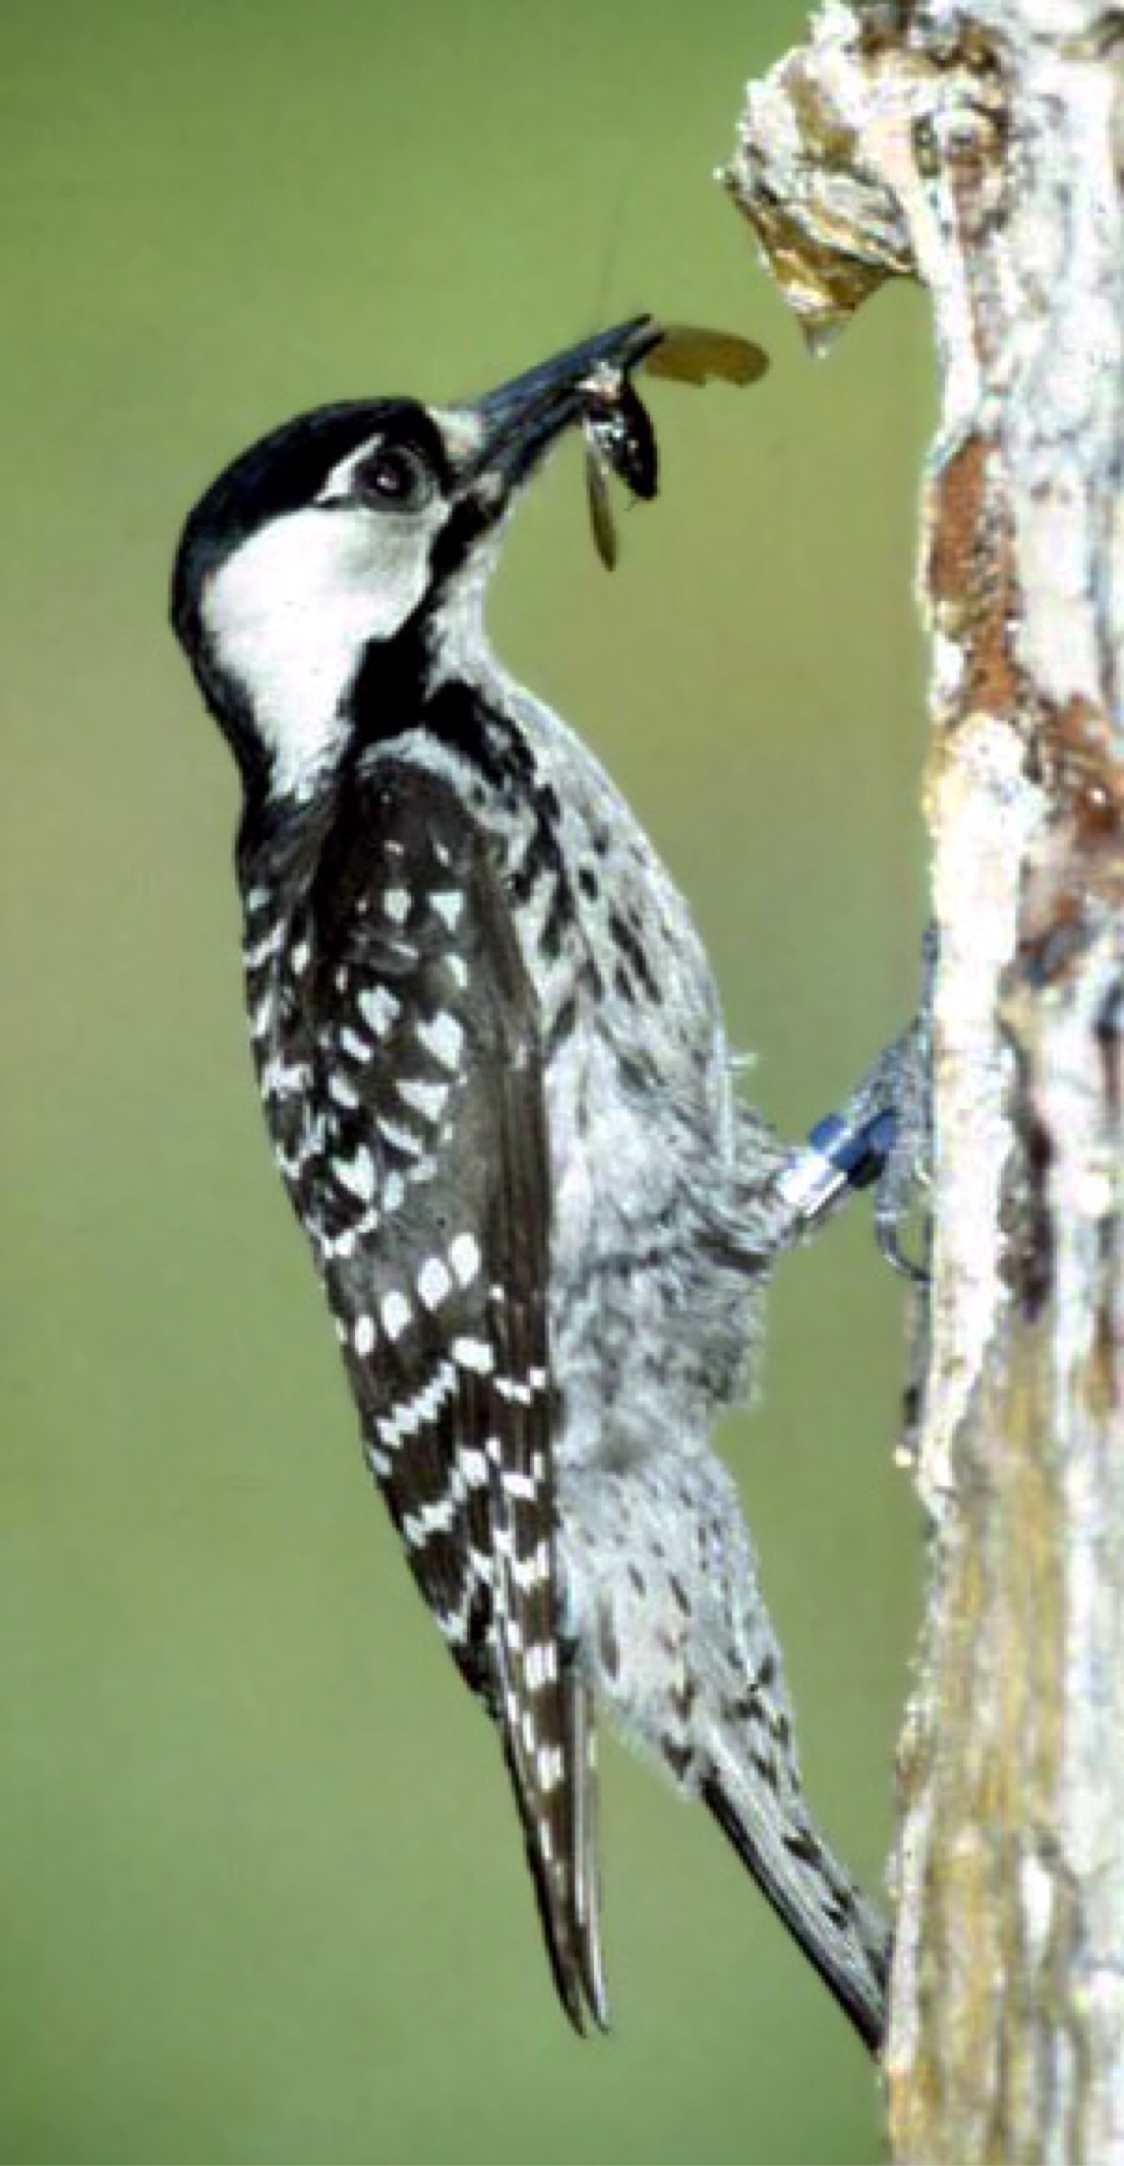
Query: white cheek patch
point(291, 611)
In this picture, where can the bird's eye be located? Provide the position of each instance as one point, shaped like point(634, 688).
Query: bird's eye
point(394, 478)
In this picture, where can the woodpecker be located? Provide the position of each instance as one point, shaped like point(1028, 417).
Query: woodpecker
point(496, 1080)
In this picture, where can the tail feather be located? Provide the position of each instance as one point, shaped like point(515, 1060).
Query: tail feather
point(840, 1931)
point(566, 1886)
point(587, 1887)
point(662, 1597)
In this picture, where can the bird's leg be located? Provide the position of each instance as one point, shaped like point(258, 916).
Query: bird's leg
point(881, 1137)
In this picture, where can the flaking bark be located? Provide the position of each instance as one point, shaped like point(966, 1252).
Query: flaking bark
point(978, 147)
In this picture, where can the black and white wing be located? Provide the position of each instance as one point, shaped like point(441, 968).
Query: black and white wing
point(424, 1184)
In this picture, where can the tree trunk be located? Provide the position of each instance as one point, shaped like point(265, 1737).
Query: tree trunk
point(978, 146)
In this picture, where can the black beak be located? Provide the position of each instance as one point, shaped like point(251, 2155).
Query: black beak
point(524, 417)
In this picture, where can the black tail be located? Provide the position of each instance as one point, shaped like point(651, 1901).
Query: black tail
point(563, 1864)
point(840, 1932)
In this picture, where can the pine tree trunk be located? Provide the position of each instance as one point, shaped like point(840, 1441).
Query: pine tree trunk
point(978, 147)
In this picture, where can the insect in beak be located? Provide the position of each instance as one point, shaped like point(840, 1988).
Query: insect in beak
point(693, 356)
point(619, 436)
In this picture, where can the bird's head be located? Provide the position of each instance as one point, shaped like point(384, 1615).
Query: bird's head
point(358, 530)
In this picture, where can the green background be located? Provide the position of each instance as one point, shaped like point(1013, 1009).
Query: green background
point(263, 1893)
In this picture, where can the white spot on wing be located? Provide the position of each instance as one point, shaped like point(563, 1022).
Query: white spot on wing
point(519, 1394)
point(427, 1099)
point(410, 1415)
point(357, 1174)
point(395, 1314)
point(351, 1042)
point(474, 1354)
point(550, 1766)
point(265, 949)
point(443, 1036)
point(340, 1244)
point(344, 1093)
point(449, 904)
point(433, 1282)
point(283, 1079)
point(464, 1255)
point(379, 1008)
point(401, 1138)
point(432, 1519)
